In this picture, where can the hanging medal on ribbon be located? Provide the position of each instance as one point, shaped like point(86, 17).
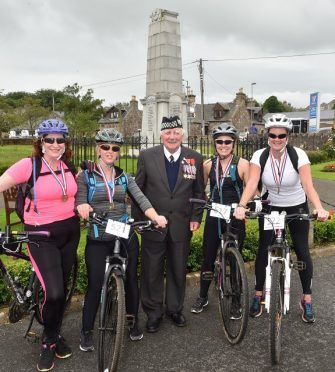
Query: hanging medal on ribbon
point(62, 181)
point(278, 167)
point(110, 190)
point(219, 181)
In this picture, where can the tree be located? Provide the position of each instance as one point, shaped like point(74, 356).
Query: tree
point(81, 112)
point(272, 104)
point(32, 112)
point(50, 98)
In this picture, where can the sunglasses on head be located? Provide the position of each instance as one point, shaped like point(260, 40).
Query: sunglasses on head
point(110, 147)
point(52, 140)
point(226, 142)
point(280, 136)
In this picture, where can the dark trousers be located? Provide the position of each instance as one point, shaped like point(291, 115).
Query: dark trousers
point(154, 256)
point(299, 234)
point(211, 241)
point(95, 258)
point(52, 260)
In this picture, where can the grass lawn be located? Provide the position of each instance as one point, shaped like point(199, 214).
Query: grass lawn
point(317, 171)
point(10, 154)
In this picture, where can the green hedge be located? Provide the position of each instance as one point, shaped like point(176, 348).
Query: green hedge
point(324, 232)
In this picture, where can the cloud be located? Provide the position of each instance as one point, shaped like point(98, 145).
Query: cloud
point(50, 44)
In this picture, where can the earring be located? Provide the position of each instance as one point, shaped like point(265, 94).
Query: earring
point(43, 149)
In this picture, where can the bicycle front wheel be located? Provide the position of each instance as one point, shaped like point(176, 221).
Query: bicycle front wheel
point(111, 322)
point(276, 310)
point(233, 294)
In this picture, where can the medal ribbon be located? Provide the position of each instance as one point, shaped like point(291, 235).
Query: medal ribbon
point(224, 173)
point(110, 193)
point(278, 170)
point(61, 182)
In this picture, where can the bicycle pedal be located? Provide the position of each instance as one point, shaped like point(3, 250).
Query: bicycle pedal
point(130, 321)
point(298, 265)
point(207, 275)
point(32, 336)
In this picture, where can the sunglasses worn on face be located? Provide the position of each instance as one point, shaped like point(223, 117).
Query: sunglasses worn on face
point(108, 147)
point(51, 140)
point(280, 136)
point(226, 142)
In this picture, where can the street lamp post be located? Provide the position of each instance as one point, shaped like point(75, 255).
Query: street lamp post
point(252, 90)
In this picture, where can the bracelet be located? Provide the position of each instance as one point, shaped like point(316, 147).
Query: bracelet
point(242, 206)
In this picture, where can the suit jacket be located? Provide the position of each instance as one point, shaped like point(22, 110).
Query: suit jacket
point(152, 179)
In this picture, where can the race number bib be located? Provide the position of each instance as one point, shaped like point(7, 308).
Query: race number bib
point(118, 229)
point(221, 211)
point(274, 221)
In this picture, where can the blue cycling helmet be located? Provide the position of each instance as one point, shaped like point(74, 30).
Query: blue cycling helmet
point(52, 126)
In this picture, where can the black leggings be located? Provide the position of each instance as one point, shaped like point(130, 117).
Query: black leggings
point(95, 258)
point(211, 243)
point(299, 234)
point(52, 260)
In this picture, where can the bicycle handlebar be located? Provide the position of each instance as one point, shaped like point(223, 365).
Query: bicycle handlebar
point(207, 205)
point(139, 226)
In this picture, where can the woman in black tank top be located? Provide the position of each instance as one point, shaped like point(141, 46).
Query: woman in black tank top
point(226, 173)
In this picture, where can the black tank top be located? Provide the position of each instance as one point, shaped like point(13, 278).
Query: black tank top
point(228, 192)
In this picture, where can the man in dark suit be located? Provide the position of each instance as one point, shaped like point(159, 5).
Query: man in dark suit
point(169, 174)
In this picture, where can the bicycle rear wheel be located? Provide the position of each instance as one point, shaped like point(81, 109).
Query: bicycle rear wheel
point(276, 310)
point(233, 294)
point(111, 322)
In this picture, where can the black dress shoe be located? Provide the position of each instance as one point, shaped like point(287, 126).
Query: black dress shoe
point(178, 319)
point(153, 325)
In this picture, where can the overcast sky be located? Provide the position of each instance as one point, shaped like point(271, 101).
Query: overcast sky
point(53, 43)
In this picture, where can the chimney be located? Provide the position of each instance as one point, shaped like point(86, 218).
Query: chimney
point(133, 103)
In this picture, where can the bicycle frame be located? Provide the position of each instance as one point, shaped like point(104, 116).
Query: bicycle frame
point(280, 251)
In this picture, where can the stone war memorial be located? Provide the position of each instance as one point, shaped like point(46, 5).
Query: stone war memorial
point(164, 94)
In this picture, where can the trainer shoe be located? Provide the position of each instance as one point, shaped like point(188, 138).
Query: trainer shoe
point(86, 341)
point(199, 305)
point(256, 307)
point(47, 357)
point(135, 333)
point(307, 311)
point(63, 350)
point(235, 311)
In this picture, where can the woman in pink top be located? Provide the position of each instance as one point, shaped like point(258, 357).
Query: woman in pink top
point(50, 208)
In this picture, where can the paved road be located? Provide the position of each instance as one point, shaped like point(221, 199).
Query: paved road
point(201, 346)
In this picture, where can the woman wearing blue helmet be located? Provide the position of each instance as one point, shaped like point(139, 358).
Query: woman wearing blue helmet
point(50, 207)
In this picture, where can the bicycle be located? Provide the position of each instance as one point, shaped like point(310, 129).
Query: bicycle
point(27, 299)
point(230, 276)
point(112, 315)
point(278, 274)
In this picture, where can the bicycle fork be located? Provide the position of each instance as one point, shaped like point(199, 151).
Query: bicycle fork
point(287, 281)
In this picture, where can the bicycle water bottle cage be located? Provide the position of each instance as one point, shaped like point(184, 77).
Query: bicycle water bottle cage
point(299, 265)
point(207, 275)
point(130, 320)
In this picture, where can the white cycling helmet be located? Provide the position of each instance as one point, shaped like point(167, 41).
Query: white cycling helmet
point(278, 121)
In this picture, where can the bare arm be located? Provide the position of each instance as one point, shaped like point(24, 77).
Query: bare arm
point(244, 170)
point(6, 182)
point(249, 191)
point(207, 169)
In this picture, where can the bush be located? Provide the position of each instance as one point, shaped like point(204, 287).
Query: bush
point(316, 157)
point(324, 232)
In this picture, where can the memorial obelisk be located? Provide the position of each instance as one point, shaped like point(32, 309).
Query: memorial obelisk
point(164, 93)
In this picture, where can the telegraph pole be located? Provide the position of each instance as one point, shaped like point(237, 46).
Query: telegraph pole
point(201, 71)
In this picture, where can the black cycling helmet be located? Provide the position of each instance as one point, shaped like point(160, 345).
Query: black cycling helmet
point(225, 129)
